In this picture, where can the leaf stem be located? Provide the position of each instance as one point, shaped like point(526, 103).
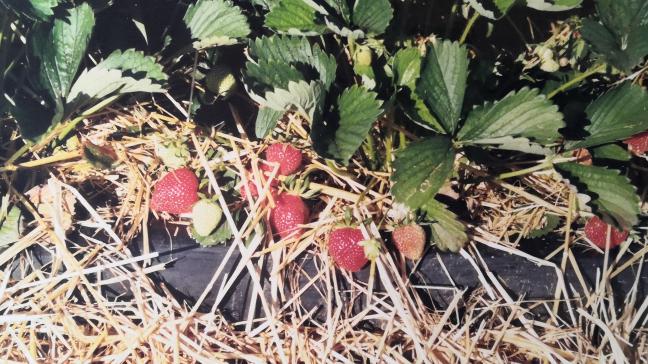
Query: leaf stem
point(389, 144)
point(468, 27)
point(351, 45)
point(4, 43)
point(58, 157)
point(67, 128)
point(548, 163)
point(19, 153)
point(578, 78)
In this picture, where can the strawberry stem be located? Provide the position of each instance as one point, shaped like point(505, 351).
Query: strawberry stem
point(58, 157)
point(468, 27)
point(578, 78)
point(547, 164)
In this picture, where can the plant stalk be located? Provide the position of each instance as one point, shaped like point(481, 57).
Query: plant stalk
point(547, 164)
point(468, 27)
point(58, 157)
point(67, 128)
point(592, 70)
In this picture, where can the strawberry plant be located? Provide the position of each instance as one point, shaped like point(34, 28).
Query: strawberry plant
point(354, 79)
point(260, 129)
point(59, 88)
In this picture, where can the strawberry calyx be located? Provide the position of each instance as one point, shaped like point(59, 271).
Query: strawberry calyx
point(296, 186)
point(173, 153)
point(371, 248)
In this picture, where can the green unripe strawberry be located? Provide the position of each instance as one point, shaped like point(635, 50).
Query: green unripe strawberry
point(206, 215)
point(362, 56)
point(221, 81)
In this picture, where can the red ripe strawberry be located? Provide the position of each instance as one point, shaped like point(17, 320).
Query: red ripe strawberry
point(596, 232)
point(289, 212)
point(345, 249)
point(638, 144)
point(176, 192)
point(410, 240)
point(288, 157)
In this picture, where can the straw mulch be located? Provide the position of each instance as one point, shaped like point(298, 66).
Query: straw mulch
point(56, 309)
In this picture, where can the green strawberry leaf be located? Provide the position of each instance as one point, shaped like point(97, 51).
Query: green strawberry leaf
point(525, 113)
point(611, 152)
point(621, 38)
point(33, 118)
point(272, 74)
point(134, 62)
point(421, 169)
point(341, 7)
point(307, 98)
point(613, 196)
point(518, 144)
point(493, 9)
point(266, 120)
point(372, 15)
point(551, 223)
point(215, 23)
point(120, 73)
point(414, 107)
point(496, 9)
point(358, 110)
point(407, 67)
point(33, 9)
point(553, 5)
point(59, 48)
point(9, 223)
point(448, 232)
point(295, 51)
point(295, 17)
point(442, 83)
point(616, 115)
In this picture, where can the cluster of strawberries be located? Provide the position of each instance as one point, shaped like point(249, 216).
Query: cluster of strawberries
point(177, 193)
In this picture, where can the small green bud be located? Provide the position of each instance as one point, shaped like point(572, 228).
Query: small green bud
point(362, 56)
point(221, 81)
